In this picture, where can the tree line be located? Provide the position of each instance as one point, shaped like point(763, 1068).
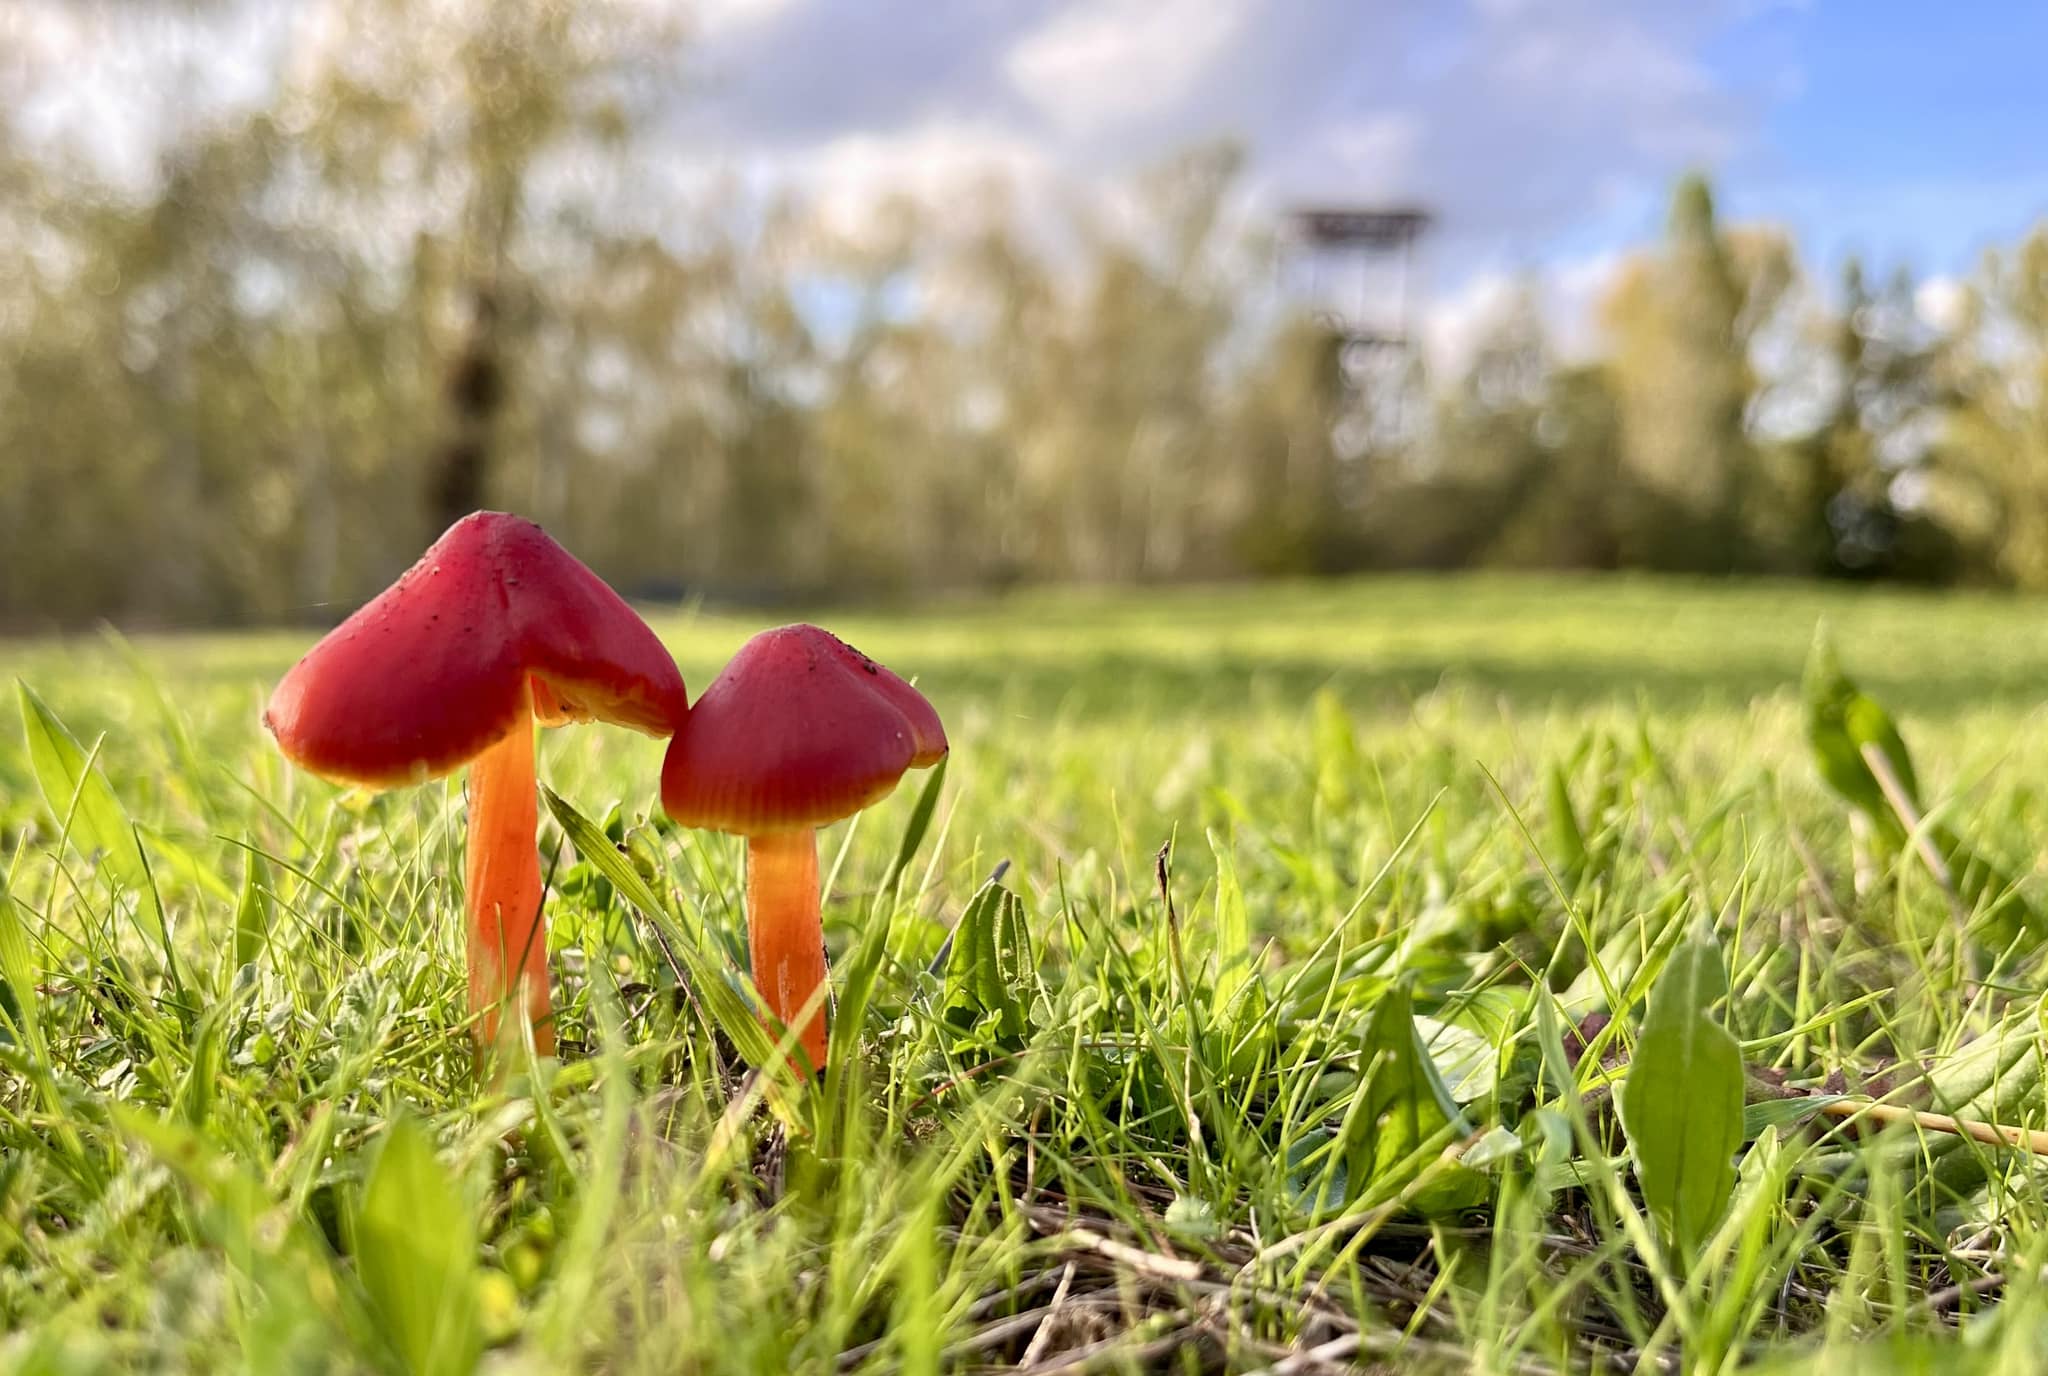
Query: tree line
point(433, 273)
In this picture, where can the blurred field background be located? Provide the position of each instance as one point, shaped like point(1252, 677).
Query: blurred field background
point(1150, 690)
point(286, 289)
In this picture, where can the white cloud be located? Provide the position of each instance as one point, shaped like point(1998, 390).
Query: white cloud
point(1105, 62)
point(1573, 291)
point(1459, 321)
point(1377, 152)
point(715, 19)
point(1941, 301)
point(104, 82)
point(1568, 296)
point(934, 164)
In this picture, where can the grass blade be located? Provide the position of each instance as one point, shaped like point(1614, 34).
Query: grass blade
point(86, 809)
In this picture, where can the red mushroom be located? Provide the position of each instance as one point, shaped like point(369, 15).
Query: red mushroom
point(800, 730)
point(495, 628)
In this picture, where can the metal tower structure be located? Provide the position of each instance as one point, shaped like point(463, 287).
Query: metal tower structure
point(1355, 265)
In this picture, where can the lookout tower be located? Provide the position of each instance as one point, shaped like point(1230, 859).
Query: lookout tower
point(1358, 263)
point(1355, 266)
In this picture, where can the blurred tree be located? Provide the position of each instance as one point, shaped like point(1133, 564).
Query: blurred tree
point(1528, 470)
point(1581, 506)
point(1286, 489)
point(1492, 459)
point(1873, 440)
point(436, 272)
point(1680, 325)
point(1115, 447)
point(1990, 470)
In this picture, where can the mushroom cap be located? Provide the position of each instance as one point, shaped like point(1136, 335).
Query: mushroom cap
point(798, 731)
point(496, 619)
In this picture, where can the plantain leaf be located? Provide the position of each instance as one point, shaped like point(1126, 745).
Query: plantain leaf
point(988, 975)
point(1681, 1104)
point(415, 1245)
point(1233, 934)
point(1567, 840)
point(1845, 727)
point(1406, 1105)
point(1841, 719)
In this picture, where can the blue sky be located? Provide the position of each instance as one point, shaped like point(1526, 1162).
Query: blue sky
point(1909, 132)
point(1546, 132)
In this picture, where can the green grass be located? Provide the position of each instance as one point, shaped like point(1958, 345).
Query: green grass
point(1176, 1139)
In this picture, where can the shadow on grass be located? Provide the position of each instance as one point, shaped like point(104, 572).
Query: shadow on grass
point(1141, 685)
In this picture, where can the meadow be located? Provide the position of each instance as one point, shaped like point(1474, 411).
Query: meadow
point(1256, 993)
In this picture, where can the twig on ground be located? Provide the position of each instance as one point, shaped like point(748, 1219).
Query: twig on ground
point(1120, 1347)
point(1146, 1263)
point(1991, 1134)
point(1040, 1338)
point(1909, 817)
point(1940, 1302)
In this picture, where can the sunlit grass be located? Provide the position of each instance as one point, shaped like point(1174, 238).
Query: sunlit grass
point(1146, 1145)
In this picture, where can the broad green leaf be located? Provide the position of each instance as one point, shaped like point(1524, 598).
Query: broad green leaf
point(415, 1244)
point(1681, 1104)
point(251, 911)
point(988, 976)
point(1233, 933)
point(1338, 764)
point(1495, 1145)
point(1567, 839)
point(18, 977)
point(1841, 719)
point(1831, 699)
point(1464, 1041)
point(920, 822)
point(1782, 1113)
point(86, 809)
point(1405, 1105)
point(1993, 1078)
point(1845, 727)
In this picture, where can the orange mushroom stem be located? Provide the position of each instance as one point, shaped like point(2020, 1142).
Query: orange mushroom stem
point(508, 933)
point(786, 931)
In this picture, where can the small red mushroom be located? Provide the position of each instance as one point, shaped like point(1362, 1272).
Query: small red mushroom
point(496, 628)
point(798, 731)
